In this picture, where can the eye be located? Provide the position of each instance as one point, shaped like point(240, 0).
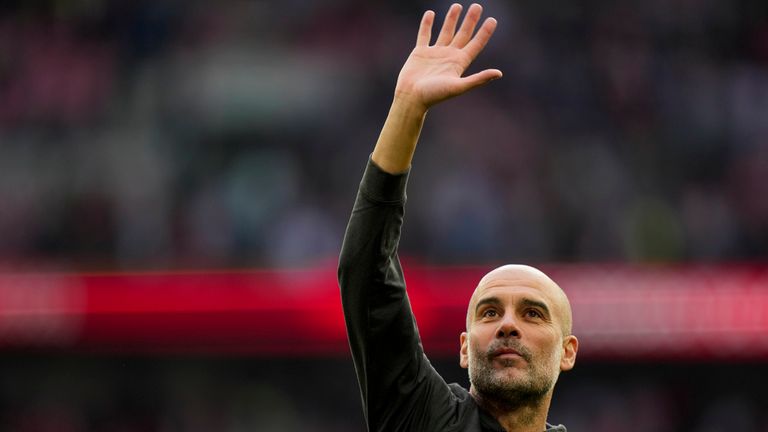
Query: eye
point(533, 313)
point(489, 313)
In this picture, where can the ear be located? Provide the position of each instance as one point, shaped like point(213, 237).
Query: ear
point(463, 356)
point(570, 347)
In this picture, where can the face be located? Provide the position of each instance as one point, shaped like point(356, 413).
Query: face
point(518, 337)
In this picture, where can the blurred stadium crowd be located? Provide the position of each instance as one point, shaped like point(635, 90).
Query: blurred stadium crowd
point(160, 133)
point(182, 133)
point(242, 394)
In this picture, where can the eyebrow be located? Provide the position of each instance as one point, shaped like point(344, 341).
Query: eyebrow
point(488, 300)
point(536, 303)
point(525, 302)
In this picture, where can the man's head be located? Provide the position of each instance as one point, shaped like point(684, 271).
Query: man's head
point(518, 336)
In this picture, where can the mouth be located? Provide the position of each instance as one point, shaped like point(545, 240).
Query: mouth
point(506, 353)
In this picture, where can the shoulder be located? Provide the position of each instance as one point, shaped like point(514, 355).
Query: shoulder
point(460, 392)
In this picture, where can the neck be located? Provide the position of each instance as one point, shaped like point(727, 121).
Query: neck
point(527, 416)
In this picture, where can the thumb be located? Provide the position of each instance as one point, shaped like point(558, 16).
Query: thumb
point(477, 79)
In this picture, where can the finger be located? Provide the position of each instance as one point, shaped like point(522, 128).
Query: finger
point(425, 29)
point(482, 37)
point(449, 25)
point(480, 78)
point(468, 26)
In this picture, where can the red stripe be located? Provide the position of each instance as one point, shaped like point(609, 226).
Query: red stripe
point(713, 312)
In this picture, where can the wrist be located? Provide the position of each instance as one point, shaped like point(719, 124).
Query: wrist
point(407, 105)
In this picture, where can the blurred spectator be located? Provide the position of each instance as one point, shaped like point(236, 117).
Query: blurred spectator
point(183, 133)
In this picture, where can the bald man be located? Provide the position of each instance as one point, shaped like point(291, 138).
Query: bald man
point(518, 329)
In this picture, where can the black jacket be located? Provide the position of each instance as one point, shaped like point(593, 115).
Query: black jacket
point(401, 390)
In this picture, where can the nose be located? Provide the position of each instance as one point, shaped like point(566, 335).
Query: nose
point(508, 327)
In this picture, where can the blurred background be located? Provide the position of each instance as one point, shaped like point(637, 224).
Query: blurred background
point(176, 176)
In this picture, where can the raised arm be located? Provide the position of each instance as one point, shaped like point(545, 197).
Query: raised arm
point(432, 73)
point(400, 390)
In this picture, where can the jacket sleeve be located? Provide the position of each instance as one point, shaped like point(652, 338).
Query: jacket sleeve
point(400, 389)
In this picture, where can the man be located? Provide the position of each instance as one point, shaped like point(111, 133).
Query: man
point(518, 336)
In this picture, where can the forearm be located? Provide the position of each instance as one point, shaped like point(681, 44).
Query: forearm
point(369, 271)
point(398, 138)
point(379, 322)
point(400, 390)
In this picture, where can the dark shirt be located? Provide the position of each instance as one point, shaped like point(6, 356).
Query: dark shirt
point(401, 390)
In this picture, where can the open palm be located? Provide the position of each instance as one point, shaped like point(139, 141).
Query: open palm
point(433, 73)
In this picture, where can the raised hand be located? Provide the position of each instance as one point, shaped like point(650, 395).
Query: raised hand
point(433, 73)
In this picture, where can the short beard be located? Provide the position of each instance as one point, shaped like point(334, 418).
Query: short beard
point(510, 393)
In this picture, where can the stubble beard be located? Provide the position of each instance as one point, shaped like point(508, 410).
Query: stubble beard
point(492, 383)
